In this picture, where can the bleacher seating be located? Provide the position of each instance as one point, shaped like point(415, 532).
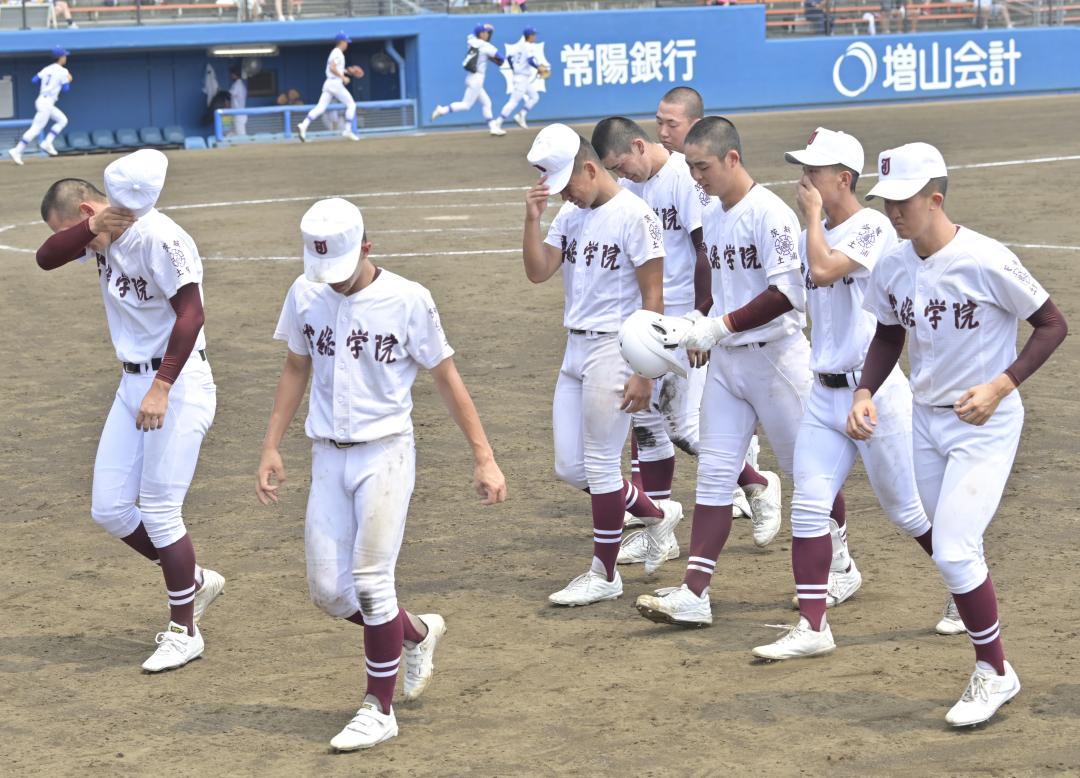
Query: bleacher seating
point(151, 136)
point(39, 15)
point(104, 140)
point(79, 141)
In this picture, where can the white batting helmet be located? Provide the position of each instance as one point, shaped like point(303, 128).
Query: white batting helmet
point(648, 341)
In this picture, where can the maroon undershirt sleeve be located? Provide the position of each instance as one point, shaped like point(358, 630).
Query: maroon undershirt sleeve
point(1050, 329)
point(65, 246)
point(702, 273)
point(883, 355)
point(760, 311)
point(187, 303)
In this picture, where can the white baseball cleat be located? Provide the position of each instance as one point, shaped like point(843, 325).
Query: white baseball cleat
point(842, 585)
point(440, 110)
point(368, 728)
point(213, 585)
point(301, 131)
point(175, 649)
point(635, 545)
point(951, 623)
point(765, 509)
point(985, 693)
point(496, 130)
point(662, 534)
point(519, 119)
point(420, 659)
point(350, 134)
point(740, 506)
point(800, 641)
point(16, 156)
point(676, 605)
point(630, 521)
point(588, 588)
point(48, 147)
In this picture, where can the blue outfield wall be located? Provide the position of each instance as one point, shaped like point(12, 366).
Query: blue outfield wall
point(604, 62)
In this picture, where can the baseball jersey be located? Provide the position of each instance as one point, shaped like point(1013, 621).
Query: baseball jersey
point(480, 51)
point(138, 273)
point(840, 330)
point(337, 57)
point(53, 77)
point(677, 202)
point(238, 92)
point(523, 57)
point(601, 249)
point(365, 351)
point(751, 247)
point(959, 307)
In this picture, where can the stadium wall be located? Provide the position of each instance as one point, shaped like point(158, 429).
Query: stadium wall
point(604, 62)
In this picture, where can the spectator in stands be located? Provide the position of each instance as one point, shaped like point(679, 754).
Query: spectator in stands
point(238, 98)
point(63, 11)
point(291, 97)
point(817, 14)
point(513, 6)
point(985, 10)
point(892, 11)
point(291, 8)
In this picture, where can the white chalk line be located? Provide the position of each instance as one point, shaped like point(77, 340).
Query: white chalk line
point(403, 255)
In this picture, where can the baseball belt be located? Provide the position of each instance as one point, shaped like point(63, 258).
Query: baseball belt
point(155, 363)
point(838, 380)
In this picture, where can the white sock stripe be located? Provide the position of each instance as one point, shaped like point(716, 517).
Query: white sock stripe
point(700, 569)
point(605, 540)
point(703, 560)
point(982, 633)
point(387, 674)
point(984, 641)
point(607, 531)
point(663, 495)
point(184, 601)
point(181, 592)
point(382, 665)
point(812, 587)
point(804, 596)
point(631, 495)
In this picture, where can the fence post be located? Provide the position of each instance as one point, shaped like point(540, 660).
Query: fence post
point(25, 26)
point(138, 13)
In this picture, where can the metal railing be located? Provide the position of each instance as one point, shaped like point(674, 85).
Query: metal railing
point(280, 121)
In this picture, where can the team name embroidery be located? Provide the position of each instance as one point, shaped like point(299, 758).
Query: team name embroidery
point(324, 344)
point(569, 250)
point(784, 245)
point(609, 255)
point(865, 240)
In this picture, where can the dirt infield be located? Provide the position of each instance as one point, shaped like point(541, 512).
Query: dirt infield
point(520, 688)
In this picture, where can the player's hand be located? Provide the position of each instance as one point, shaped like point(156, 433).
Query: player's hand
point(808, 198)
point(355, 70)
point(489, 482)
point(345, 79)
point(151, 415)
point(698, 357)
point(636, 394)
point(706, 333)
point(111, 220)
point(270, 476)
point(536, 199)
point(978, 403)
point(862, 418)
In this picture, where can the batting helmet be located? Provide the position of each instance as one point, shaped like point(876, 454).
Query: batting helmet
point(648, 341)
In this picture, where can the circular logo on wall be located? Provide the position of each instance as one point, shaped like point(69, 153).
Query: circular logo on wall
point(865, 56)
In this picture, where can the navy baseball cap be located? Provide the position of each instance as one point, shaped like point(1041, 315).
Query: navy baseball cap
point(529, 31)
point(341, 36)
point(59, 51)
point(485, 27)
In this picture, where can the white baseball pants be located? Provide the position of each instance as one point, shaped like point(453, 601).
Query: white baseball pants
point(523, 88)
point(961, 471)
point(45, 110)
point(768, 383)
point(332, 88)
point(824, 455)
point(355, 524)
point(590, 429)
point(474, 90)
point(154, 468)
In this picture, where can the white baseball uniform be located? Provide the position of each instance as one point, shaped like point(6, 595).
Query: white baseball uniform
point(524, 61)
point(960, 308)
point(601, 249)
point(763, 373)
point(365, 349)
point(840, 336)
point(475, 64)
point(138, 273)
point(672, 418)
point(53, 78)
point(238, 96)
point(334, 88)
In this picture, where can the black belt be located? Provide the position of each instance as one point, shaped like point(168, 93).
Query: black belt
point(589, 332)
point(761, 344)
point(339, 444)
point(155, 363)
point(838, 380)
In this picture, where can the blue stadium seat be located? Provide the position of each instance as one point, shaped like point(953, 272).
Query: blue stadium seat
point(128, 138)
point(194, 142)
point(104, 139)
point(151, 136)
point(174, 135)
point(79, 140)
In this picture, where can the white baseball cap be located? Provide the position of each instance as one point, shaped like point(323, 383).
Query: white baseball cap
point(553, 152)
point(829, 147)
point(333, 233)
point(135, 180)
point(905, 170)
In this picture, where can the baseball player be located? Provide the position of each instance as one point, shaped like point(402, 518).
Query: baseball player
point(337, 78)
point(759, 366)
point(151, 282)
point(840, 246)
point(959, 294)
point(680, 109)
point(238, 99)
point(362, 333)
point(480, 52)
point(529, 68)
point(53, 80)
point(663, 181)
point(609, 245)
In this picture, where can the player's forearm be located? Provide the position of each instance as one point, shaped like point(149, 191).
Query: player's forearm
point(760, 311)
point(65, 246)
point(533, 253)
point(287, 398)
point(702, 273)
point(462, 410)
point(650, 277)
point(187, 304)
point(1050, 330)
point(882, 356)
point(826, 266)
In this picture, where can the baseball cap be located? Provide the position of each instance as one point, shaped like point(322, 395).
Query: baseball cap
point(553, 152)
point(341, 36)
point(135, 180)
point(529, 31)
point(59, 51)
point(903, 171)
point(485, 27)
point(333, 232)
point(829, 147)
